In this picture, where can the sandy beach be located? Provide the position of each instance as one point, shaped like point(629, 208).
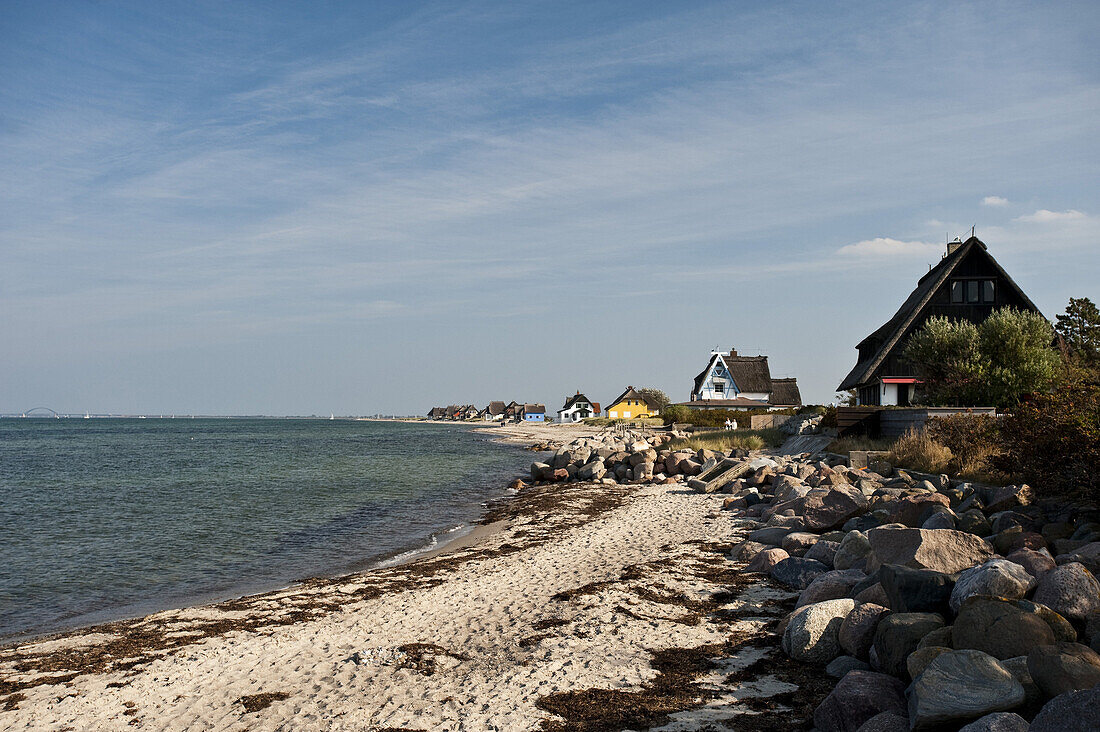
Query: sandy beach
point(575, 606)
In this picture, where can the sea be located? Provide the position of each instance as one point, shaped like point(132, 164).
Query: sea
point(103, 519)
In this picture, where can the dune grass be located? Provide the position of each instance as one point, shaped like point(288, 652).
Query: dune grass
point(726, 440)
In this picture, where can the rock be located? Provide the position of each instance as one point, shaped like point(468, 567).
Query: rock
point(797, 543)
point(1007, 497)
point(747, 550)
point(841, 665)
point(1074, 711)
point(796, 572)
point(769, 535)
point(974, 522)
point(858, 697)
point(960, 686)
point(998, 722)
point(919, 659)
point(857, 632)
point(997, 577)
point(766, 560)
point(823, 551)
point(812, 631)
point(1062, 629)
point(915, 510)
point(1017, 666)
point(915, 590)
point(998, 627)
point(1064, 667)
point(853, 548)
point(689, 467)
point(886, 722)
point(537, 470)
point(831, 508)
point(940, 520)
point(898, 635)
point(1069, 590)
point(1035, 562)
point(829, 586)
point(592, 471)
point(873, 594)
point(941, 550)
point(940, 637)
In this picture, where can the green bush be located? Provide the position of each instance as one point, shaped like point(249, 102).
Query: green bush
point(714, 417)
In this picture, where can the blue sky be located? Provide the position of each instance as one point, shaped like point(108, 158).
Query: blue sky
point(379, 207)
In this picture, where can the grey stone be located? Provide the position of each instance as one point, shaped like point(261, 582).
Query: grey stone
point(798, 543)
point(823, 551)
point(1017, 666)
point(1036, 562)
point(841, 665)
point(769, 535)
point(1063, 667)
point(1070, 590)
point(796, 572)
point(812, 631)
point(1062, 629)
point(941, 550)
point(831, 508)
point(886, 722)
point(998, 722)
point(766, 560)
point(940, 520)
point(898, 635)
point(998, 627)
point(960, 686)
point(829, 586)
point(857, 632)
point(915, 590)
point(858, 697)
point(919, 659)
point(746, 550)
point(1074, 711)
point(853, 548)
point(997, 577)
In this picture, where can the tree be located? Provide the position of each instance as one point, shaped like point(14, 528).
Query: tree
point(994, 363)
point(659, 397)
point(1080, 328)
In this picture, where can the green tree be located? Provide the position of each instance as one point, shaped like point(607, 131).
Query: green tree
point(657, 396)
point(1080, 328)
point(994, 363)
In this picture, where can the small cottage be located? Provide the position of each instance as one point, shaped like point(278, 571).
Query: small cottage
point(494, 412)
point(533, 413)
point(732, 381)
point(632, 404)
point(577, 407)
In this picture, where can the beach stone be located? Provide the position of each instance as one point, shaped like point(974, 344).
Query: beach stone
point(915, 590)
point(796, 572)
point(886, 722)
point(829, 586)
point(960, 686)
point(872, 594)
point(1064, 667)
point(919, 659)
point(746, 550)
point(915, 510)
point(939, 637)
point(841, 665)
point(1036, 562)
point(998, 627)
point(1003, 498)
point(997, 577)
point(858, 697)
point(798, 543)
point(854, 547)
point(1062, 629)
point(812, 631)
point(1070, 590)
point(769, 535)
point(1033, 695)
point(942, 550)
point(823, 551)
point(940, 520)
point(537, 470)
point(974, 522)
point(898, 635)
point(829, 509)
point(1074, 711)
point(998, 722)
point(857, 632)
point(766, 560)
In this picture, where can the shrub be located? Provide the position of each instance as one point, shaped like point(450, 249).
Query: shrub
point(917, 450)
point(715, 417)
point(973, 439)
point(724, 441)
point(1052, 441)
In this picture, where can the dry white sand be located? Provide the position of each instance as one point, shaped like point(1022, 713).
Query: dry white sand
point(471, 640)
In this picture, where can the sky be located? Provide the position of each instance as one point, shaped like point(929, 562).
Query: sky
point(378, 207)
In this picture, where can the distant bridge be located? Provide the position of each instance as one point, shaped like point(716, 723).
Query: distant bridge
point(40, 412)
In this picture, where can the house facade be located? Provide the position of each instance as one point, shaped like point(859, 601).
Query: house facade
point(494, 412)
point(533, 413)
point(732, 381)
point(966, 284)
point(578, 407)
point(632, 404)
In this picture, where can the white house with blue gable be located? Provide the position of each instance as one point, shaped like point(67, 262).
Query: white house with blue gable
point(731, 381)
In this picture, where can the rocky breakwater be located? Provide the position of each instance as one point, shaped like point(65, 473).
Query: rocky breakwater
point(938, 604)
point(624, 457)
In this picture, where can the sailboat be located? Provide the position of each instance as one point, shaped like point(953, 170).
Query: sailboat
point(332, 415)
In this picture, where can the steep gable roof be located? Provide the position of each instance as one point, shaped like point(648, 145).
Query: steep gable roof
point(578, 397)
point(892, 331)
point(632, 393)
point(785, 393)
point(495, 408)
point(750, 373)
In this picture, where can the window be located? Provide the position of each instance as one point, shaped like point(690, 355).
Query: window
point(972, 291)
point(988, 291)
point(957, 291)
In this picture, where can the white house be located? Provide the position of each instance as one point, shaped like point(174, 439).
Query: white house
point(577, 407)
point(731, 381)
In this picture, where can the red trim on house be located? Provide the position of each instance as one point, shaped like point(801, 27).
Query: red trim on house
point(901, 381)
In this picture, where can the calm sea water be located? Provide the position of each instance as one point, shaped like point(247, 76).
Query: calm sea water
point(109, 518)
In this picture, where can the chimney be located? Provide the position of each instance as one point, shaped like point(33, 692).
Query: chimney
point(733, 352)
point(953, 245)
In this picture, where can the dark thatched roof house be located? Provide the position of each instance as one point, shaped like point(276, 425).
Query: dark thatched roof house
point(731, 381)
point(437, 413)
point(494, 412)
point(967, 284)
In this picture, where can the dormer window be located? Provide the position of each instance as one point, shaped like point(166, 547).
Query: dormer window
point(972, 292)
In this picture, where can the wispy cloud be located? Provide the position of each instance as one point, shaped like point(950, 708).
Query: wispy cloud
point(887, 247)
point(994, 201)
point(1044, 216)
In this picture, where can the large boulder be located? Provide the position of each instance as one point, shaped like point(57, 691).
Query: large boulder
point(915, 510)
point(812, 631)
point(1036, 562)
point(997, 577)
point(886, 722)
point(828, 509)
point(766, 560)
point(830, 586)
point(961, 686)
point(796, 572)
point(1070, 590)
point(854, 548)
point(998, 722)
point(1064, 667)
point(769, 535)
point(1063, 630)
point(915, 590)
point(857, 632)
point(998, 627)
point(942, 550)
point(858, 697)
point(823, 551)
point(798, 543)
point(898, 635)
point(1074, 711)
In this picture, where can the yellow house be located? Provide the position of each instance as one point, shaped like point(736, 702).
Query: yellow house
point(632, 404)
